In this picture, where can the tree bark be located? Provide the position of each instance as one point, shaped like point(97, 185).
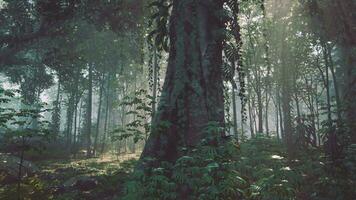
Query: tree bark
point(192, 95)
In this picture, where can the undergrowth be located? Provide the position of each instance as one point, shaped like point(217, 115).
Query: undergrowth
point(258, 170)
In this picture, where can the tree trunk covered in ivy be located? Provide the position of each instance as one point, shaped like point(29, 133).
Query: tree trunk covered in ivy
point(192, 95)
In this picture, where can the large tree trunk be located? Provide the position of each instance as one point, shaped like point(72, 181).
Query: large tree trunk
point(346, 9)
point(350, 89)
point(287, 81)
point(192, 95)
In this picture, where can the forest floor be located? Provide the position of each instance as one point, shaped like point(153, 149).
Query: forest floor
point(262, 163)
point(95, 178)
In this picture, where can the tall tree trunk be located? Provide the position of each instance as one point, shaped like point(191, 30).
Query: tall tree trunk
point(260, 108)
point(106, 114)
point(250, 118)
point(56, 115)
point(266, 114)
point(239, 67)
point(266, 61)
point(155, 81)
point(19, 175)
point(75, 137)
point(89, 110)
point(98, 117)
point(254, 118)
point(192, 96)
point(331, 145)
point(288, 127)
point(287, 79)
point(280, 116)
point(350, 88)
point(277, 120)
point(317, 113)
point(75, 107)
point(300, 134)
point(311, 105)
point(336, 86)
point(234, 108)
point(346, 9)
point(71, 102)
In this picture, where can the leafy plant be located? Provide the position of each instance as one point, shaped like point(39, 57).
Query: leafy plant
point(140, 127)
point(205, 172)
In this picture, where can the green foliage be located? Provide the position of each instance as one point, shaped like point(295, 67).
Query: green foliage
point(20, 122)
point(140, 127)
point(31, 188)
point(256, 170)
point(205, 172)
point(160, 16)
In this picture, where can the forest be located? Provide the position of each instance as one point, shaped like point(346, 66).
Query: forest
point(178, 99)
